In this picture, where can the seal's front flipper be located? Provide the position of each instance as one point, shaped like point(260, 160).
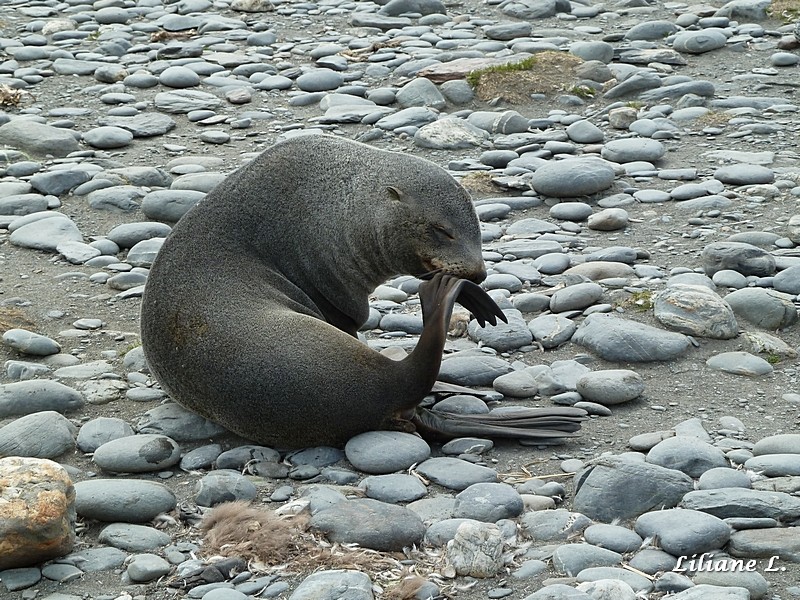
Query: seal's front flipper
point(475, 299)
point(541, 425)
point(469, 295)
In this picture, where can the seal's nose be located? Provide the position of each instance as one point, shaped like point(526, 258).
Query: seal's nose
point(478, 274)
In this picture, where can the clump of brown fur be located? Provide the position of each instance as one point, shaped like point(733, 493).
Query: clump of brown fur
point(238, 529)
point(405, 590)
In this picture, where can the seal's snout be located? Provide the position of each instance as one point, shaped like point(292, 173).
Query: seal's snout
point(478, 275)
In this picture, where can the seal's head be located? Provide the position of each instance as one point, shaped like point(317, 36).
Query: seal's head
point(439, 229)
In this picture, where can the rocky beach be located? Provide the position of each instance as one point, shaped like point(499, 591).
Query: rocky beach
point(635, 166)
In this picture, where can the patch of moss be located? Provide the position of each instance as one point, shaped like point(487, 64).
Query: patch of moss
point(582, 91)
point(642, 300)
point(773, 359)
point(474, 77)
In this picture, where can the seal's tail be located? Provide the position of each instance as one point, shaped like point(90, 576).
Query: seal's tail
point(542, 425)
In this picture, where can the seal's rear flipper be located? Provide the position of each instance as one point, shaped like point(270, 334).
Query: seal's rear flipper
point(543, 425)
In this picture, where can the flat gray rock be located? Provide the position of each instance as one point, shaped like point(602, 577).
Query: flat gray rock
point(553, 525)
point(571, 559)
point(740, 363)
point(31, 343)
point(614, 537)
point(616, 488)
point(26, 397)
point(618, 339)
point(394, 488)
point(503, 337)
point(133, 538)
point(699, 42)
point(737, 256)
point(370, 524)
point(610, 386)
point(488, 502)
point(552, 330)
point(45, 434)
point(97, 432)
point(46, 234)
point(178, 423)
point(684, 532)
point(572, 177)
point(454, 473)
point(740, 502)
point(379, 452)
point(632, 149)
point(334, 585)
point(138, 454)
point(37, 138)
point(688, 454)
point(184, 101)
point(124, 500)
point(473, 370)
point(766, 543)
point(765, 308)
point(169, 205)
point(223, 485)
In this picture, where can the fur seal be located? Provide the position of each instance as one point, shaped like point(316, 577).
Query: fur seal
point(252, 307)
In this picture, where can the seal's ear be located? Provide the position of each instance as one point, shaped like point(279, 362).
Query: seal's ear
point(394, 194)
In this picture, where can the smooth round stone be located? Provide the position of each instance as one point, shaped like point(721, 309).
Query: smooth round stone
point(26, 436)
point(532, 302)
point(651, 30)
point(784, 59)
point(380, 452)
point(97, 432)
point(369, 523)
point(608, 219)
point(394, 488)
point(585, 132)
point(740, 363)
point(788, 280)
point(128, 235)
point(738, 256)
point(699, 42)
point(462, 404)
point(652, 560)
point(571, 559)
point(489, 212)
point(473, 370)
point(223, 486)
point(138, 454)
point(553, 263)
point(571, 211)
point(467, 445)
point(775, 465)
point(638, 583)
point(28, 342)
point(633, 149)
point(147, 567)
point(237, 458)
point(572, 177)
point(576, 297)
point(179, 77)
point(614, 537)
point(488, 502)
point(764, 308)
point(125, 500)
point(215, 136)
point(744, 174)
point(552, 330)
point(61, 573)
point(553, 525)
point(454, 473)
point(784, 443)
point(274, 82)
point(683, 532)
point(320, 80)
point(610, 387)
point(723, 477)
point(327, 585)
point(498, 158)
point(107, 138)
point(730, 279)
point(26, 397)
point(172, 420)
point(133, 538)
point(200, 458)
point(687, 454)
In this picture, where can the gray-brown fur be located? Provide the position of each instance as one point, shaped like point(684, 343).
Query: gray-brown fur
point(251, 308)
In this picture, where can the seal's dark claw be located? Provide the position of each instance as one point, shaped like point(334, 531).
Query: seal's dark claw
point(475, 299)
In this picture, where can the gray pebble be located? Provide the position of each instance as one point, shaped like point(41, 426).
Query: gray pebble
point(379, 452)
point(223, 486)
point(137, 454)
point(125, 500)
